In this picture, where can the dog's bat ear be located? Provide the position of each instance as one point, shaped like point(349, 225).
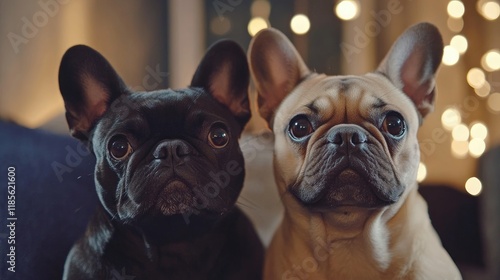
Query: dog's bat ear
point(276, 68)
point(412, 62)
point(223, 72)
point(88, 85)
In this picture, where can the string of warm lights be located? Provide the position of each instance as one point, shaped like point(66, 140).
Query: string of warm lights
point(299, 24)
point(260, 11)
point(470, 140)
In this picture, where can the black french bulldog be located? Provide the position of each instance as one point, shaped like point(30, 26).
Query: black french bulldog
point(169, 171)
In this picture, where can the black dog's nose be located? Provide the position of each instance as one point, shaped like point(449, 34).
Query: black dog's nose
point(343, 135)
point(172, 150)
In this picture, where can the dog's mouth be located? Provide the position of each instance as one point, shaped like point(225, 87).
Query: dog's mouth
point(350, 188)
point(179, 196)
point(162, 191)
point(337, 174)
point(175, 185)
point(175, 198)
point(349, 183)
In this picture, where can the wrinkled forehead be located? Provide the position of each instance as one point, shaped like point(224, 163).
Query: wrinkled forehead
point(345, 98)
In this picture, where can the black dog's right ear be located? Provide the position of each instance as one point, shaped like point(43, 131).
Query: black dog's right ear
point(88, 85)
point(223, 72)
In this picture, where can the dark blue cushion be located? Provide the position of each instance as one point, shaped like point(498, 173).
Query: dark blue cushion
point(54, 199)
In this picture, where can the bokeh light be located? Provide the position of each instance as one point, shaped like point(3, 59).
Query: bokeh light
point(256, 24)
point(455, 9)
point(460, 132)
point(478, 130)
point(491, 60)
point(490, 10)
point(422, 172)
point(459, 149)
point(260, 8)
point(473, 186)
point(300, 24)
point(450, 118)
point(220, 25)
point(455, 24)
point(494, 102)
point(476, 147)
point(450, 55)
point(347, 9)
point(459, 42)
point(483, 90)
point(476, 77)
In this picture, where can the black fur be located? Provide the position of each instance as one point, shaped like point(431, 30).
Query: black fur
point(168, 205)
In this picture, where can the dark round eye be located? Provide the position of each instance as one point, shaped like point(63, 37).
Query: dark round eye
point(119, 147)
point(394, 124)
point(300, 127)
point(218, 137)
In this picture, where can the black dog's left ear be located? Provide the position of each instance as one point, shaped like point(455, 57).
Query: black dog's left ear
point(223, 72)
point(88, 85)
point(412, 62)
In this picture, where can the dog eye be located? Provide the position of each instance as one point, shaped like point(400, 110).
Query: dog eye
point(119, 147)
point(218, 137)
point(394, 124)
point(300, 127)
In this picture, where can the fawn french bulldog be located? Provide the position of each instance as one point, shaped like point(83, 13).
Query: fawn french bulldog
point(345, 162)
point(169, 171)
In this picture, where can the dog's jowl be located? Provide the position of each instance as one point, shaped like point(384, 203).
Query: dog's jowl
point(169, 171)
point(346, 160)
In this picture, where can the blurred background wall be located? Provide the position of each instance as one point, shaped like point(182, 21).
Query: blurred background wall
point(158, 44)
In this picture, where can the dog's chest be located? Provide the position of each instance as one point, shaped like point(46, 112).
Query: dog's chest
point(183, 260)
point(349, 260)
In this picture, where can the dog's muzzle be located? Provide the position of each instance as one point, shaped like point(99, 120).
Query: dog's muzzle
point(350, 168)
